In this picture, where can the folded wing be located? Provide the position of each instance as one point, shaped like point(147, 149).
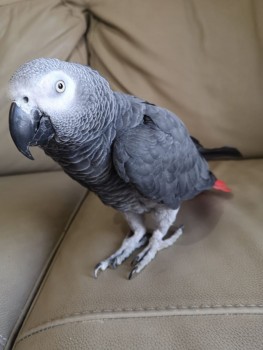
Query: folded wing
point(160, 160)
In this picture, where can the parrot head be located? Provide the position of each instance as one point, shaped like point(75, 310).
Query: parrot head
point(53, 99)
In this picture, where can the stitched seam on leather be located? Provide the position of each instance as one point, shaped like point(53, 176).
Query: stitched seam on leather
point(154, 309)
point(166, 308)
point(36, 331)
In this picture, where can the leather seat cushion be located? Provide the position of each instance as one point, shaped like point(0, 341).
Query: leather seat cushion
point(34, 212)
point(205, 292)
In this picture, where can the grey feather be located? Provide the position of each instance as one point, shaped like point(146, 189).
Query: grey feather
point(159, 158)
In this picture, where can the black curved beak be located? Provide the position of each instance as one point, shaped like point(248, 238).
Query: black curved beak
point(22, 128)
point(29, 129)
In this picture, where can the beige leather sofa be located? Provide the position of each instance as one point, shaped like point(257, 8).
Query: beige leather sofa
point(203, 60)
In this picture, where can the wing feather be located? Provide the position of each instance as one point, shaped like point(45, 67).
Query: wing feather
point(159, 158)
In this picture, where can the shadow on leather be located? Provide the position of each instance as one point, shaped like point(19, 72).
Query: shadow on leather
point(201, 215)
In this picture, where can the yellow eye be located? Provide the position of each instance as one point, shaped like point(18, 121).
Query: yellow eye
point(60, 86)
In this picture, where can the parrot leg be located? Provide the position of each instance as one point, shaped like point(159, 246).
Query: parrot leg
point(132, 242)
point(164, 218)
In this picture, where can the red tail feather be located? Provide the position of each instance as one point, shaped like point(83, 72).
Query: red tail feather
point(221, 186)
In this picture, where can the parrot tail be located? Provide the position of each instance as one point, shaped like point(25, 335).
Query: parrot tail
point(221, 186)
point(217, 153)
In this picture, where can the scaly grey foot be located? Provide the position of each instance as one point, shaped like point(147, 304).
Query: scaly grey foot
point(129, 245)
point(149, 252)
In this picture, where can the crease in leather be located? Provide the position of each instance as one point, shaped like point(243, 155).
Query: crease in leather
point(192, 11)
point(204, 310)
point(35, 291)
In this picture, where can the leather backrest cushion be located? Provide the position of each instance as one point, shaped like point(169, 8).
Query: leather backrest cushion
point(31, 29)
point(201, 59)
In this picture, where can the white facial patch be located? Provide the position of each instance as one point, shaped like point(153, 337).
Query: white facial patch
point(49, 98)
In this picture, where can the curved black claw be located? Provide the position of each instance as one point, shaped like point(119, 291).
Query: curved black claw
point(181, 227)
point(111, 263)
point(133, 273)
point(97, 269)
point(139, 258)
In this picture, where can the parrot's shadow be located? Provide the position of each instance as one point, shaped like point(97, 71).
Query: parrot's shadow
point(199, 217)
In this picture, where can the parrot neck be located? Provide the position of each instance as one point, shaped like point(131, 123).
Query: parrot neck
point(128, 111)
point(87, 157)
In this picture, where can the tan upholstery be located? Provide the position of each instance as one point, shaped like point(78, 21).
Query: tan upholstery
point(203, 293)
point(34, 212)
point(203, 60)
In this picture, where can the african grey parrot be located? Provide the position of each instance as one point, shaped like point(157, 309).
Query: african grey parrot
point(137, 157)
